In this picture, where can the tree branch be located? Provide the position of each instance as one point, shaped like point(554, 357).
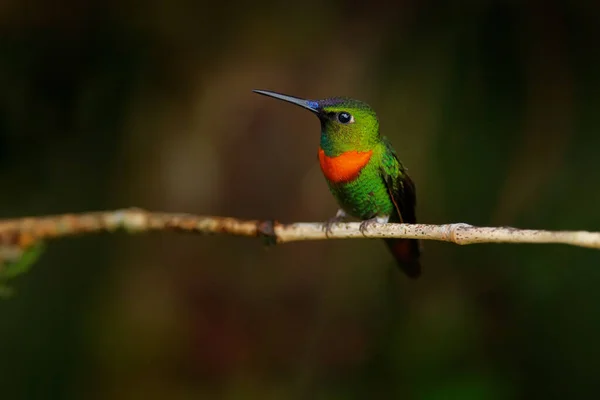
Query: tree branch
point(23, 232)
point(21, 240)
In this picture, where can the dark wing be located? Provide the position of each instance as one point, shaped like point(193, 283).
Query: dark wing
point(403, 194)
point(400, 187)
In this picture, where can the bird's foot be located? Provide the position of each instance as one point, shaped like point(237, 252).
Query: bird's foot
point(364, 226)
point(339, 216)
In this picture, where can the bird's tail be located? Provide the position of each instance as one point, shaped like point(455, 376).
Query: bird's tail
point(407, 253)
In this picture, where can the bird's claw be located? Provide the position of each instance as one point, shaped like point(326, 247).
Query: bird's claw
point(339, 217)
point(364, 226)
point(367, 223)
point(329, 224)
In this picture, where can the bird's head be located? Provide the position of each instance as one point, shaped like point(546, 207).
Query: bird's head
point(346, 124)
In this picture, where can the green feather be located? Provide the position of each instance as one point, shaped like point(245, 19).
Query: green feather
point(366, 196)
point(382, 187)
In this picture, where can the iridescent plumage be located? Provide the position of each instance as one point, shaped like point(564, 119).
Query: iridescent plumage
point(363, 171)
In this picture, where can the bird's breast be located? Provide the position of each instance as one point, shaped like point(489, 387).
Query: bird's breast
point(343, 168)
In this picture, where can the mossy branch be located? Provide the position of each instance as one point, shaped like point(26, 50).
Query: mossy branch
point(19, 237)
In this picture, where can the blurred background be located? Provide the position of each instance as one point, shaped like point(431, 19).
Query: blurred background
point(492, 105)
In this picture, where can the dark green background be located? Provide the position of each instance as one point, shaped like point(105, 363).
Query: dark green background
point(492, 105)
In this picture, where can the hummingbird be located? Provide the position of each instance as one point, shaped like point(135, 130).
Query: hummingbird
point(363, 171)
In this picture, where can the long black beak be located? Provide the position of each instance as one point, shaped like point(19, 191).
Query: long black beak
point(308, 104)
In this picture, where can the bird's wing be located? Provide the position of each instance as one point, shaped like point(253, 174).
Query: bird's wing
point(403, 194)
point(400, 187)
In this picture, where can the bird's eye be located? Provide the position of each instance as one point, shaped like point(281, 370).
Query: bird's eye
point(345, 118)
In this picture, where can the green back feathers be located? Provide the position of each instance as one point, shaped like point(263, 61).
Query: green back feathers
point(346, 125)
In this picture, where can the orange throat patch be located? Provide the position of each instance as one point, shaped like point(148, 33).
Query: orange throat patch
point(345, 167)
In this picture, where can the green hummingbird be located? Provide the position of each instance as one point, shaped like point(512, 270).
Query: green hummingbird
point(363, 171)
